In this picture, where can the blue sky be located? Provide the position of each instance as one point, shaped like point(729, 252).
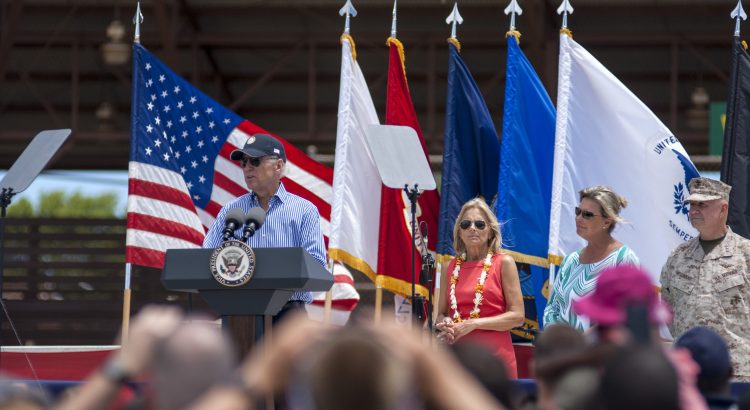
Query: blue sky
point(86, 182)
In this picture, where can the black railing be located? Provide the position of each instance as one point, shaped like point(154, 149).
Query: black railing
point(64, 282)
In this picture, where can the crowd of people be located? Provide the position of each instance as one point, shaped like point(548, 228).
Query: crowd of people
point(602, 302)
point(704, 280)
point(173, 361)
point(602, 346)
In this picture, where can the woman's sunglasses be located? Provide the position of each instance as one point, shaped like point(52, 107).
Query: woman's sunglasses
point(585, 214)
point(255, 162)
point(479, 224)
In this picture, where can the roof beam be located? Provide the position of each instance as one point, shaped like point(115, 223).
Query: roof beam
point(7, 32)
point(281, 63)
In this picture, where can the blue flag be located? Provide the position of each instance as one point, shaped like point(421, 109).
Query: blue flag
point(525, 182)
point(471, 153)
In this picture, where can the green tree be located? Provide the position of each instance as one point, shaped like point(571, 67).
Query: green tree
point(22, 208)
point(58, 204)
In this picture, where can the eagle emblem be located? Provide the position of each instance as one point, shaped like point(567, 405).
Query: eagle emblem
point(232, 263)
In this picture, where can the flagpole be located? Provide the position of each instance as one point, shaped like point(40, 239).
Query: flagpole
point(436, 291)
point(738, 14)
point(565, 9)
point(126, 293)
point(378, 301)
point(329, 295)
point(378, 286)
point(453, 19)
point(513, 9)
point(126, 305)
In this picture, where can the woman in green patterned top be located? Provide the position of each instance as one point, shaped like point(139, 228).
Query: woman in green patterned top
point(596, 217)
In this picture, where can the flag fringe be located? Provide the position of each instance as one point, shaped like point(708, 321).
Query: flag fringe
point(444, 259)
point(555, 259)
point(400, 47)
point(530, 259)
point(351, 41)
point(398, 286)
point(514, 33)
point(455, 42)
point(528, 324)
point(518, 257)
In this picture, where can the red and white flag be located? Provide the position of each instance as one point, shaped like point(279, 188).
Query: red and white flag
point(394, 245)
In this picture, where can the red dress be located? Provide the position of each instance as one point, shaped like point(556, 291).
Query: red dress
point(493, 304)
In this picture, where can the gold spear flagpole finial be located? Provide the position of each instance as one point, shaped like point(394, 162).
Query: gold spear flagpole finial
point(137, 20)
point(737, 14)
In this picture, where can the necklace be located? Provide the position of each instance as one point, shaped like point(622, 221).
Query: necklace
point(478, 289)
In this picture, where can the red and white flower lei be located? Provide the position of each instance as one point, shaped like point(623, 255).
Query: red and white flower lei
point(478, 289)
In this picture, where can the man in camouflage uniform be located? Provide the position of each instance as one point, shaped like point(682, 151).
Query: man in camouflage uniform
point(705, 279)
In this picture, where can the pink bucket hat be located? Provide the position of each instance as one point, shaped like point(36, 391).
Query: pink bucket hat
point(616, 288)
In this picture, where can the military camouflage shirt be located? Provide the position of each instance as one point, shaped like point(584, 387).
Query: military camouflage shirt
point(712, 290)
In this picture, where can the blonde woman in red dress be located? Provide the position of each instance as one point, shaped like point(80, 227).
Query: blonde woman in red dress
point(483, 299)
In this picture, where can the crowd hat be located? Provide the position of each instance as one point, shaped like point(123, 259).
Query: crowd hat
point(709, 351)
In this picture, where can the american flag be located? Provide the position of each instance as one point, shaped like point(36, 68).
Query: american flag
point(180, 173)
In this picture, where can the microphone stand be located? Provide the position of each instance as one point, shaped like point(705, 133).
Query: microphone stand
point(5, 198)
point(417, 301)
point(427, 267)
point(428, 264)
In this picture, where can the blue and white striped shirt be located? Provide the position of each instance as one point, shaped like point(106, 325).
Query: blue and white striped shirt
point(291, 221)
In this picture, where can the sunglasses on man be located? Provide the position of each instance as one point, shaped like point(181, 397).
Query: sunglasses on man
point(254, 161)
point(479, 224)
point(586, 214)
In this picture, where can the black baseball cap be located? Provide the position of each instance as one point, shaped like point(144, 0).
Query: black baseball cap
point(260, 145)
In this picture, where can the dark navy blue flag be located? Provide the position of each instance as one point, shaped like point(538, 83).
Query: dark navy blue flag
point(472, 151)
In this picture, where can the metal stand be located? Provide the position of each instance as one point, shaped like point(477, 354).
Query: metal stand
point(428, 265)
point(401, 162)
point(31, 162)
point(417, 301)
point(5, 198)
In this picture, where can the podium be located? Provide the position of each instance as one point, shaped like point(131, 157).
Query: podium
point(279, 272)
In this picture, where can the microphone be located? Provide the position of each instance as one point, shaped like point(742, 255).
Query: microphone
point(253, 222)
point(232, 221)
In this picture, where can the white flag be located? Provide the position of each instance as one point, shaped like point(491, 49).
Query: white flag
point(355, 213)
point(606, 136)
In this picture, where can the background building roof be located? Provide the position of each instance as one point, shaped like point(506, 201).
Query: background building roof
point(276, 62)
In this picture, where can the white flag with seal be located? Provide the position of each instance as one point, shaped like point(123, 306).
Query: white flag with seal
point(605, 135)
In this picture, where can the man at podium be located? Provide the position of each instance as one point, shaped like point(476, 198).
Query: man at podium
point(291, 221)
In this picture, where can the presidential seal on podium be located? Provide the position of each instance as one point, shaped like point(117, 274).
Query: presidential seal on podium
point(232, 263)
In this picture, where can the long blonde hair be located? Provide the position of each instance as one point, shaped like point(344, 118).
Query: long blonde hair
point(495, 242)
